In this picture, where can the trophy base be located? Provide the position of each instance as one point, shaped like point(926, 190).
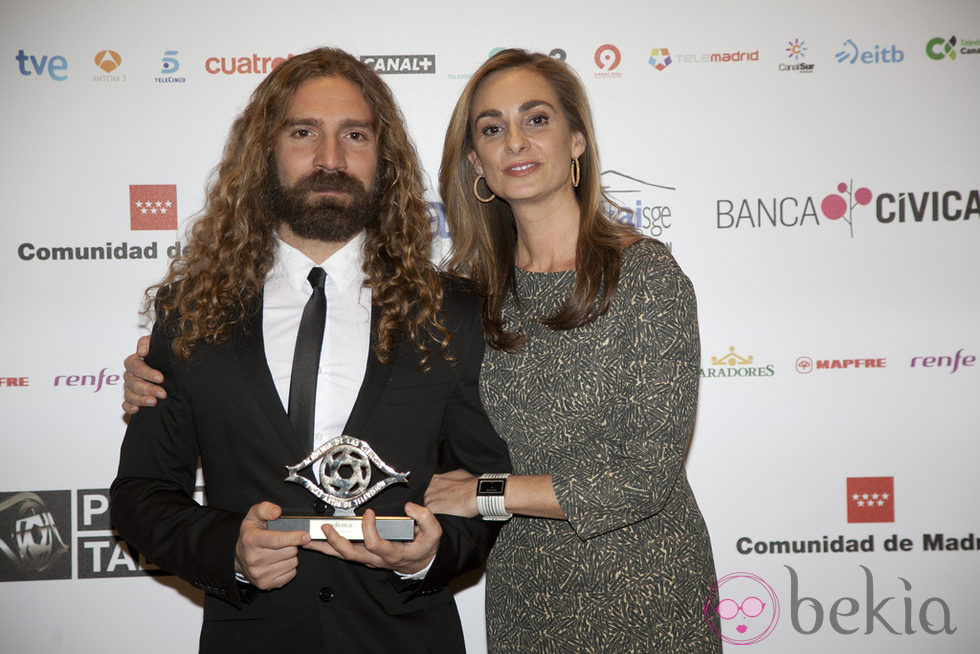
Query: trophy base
point(389, 527)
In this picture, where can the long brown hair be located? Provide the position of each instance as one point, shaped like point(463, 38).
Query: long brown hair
point(211, 287)
point(485, 236)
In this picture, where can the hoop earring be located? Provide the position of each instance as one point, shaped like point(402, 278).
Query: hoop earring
point(576, 173)
point(476, 191)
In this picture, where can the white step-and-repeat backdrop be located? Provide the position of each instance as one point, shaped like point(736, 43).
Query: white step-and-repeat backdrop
point(815, 167)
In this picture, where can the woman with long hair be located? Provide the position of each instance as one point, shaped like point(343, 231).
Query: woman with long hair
point(591, 376)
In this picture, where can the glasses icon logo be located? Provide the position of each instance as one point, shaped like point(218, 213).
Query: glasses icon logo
point(748, 608)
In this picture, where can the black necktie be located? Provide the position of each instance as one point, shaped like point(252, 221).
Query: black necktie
point(306, 359)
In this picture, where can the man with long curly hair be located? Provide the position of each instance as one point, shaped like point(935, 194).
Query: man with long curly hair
point(319, 173)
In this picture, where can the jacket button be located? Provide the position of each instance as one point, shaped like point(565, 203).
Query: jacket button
point(326, 594)
point(320, 506)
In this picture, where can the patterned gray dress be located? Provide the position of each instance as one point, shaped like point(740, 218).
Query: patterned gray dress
point(607, 409)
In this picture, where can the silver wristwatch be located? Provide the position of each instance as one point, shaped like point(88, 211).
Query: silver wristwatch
point(490, 496)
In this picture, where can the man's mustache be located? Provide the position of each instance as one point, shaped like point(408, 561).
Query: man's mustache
point(322, 181)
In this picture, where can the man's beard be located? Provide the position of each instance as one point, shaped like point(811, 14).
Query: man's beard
point(333, 219)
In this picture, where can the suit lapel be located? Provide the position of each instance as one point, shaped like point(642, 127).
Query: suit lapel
point(375, 378)
point(254, 369)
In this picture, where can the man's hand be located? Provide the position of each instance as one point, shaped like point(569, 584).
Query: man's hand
point(453, 493)
point(376, 552)
point(267, 558)
point(141, 380)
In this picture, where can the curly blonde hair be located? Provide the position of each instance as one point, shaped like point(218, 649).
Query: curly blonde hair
point(214, 283)
point(485, 236)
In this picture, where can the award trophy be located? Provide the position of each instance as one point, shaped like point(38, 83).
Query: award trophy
point(344, 467)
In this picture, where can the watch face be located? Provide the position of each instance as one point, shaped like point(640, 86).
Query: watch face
point(491, 487)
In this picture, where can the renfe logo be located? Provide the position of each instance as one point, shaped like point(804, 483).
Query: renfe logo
point(53, 65)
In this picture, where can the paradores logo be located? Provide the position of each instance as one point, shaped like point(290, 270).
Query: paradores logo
point(734, 365)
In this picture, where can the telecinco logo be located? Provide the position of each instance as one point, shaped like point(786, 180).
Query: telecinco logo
point(412, 64)
point(659, 58)
point(169, 65)
point(607, 60)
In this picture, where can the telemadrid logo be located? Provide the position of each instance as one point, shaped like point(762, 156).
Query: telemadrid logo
point(660, 58)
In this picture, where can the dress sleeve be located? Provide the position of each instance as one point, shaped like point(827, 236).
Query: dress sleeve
point(629, 475)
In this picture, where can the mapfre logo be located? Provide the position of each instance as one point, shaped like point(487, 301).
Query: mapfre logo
point(14, 382)
point(607, 59)
point(152, 206)
point(410, 64)
point(806, 365)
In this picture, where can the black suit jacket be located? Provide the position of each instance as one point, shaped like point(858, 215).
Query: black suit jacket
point(223, 409)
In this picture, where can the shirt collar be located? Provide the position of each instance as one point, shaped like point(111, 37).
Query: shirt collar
point(343, 267)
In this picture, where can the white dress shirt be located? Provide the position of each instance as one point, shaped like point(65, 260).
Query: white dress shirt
point(346, 334)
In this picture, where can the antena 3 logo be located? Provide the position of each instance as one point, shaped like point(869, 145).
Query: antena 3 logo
point(33, 526)
point(108, 61)
point(411, 64)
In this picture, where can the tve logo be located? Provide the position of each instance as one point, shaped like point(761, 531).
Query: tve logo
point(54, 66)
